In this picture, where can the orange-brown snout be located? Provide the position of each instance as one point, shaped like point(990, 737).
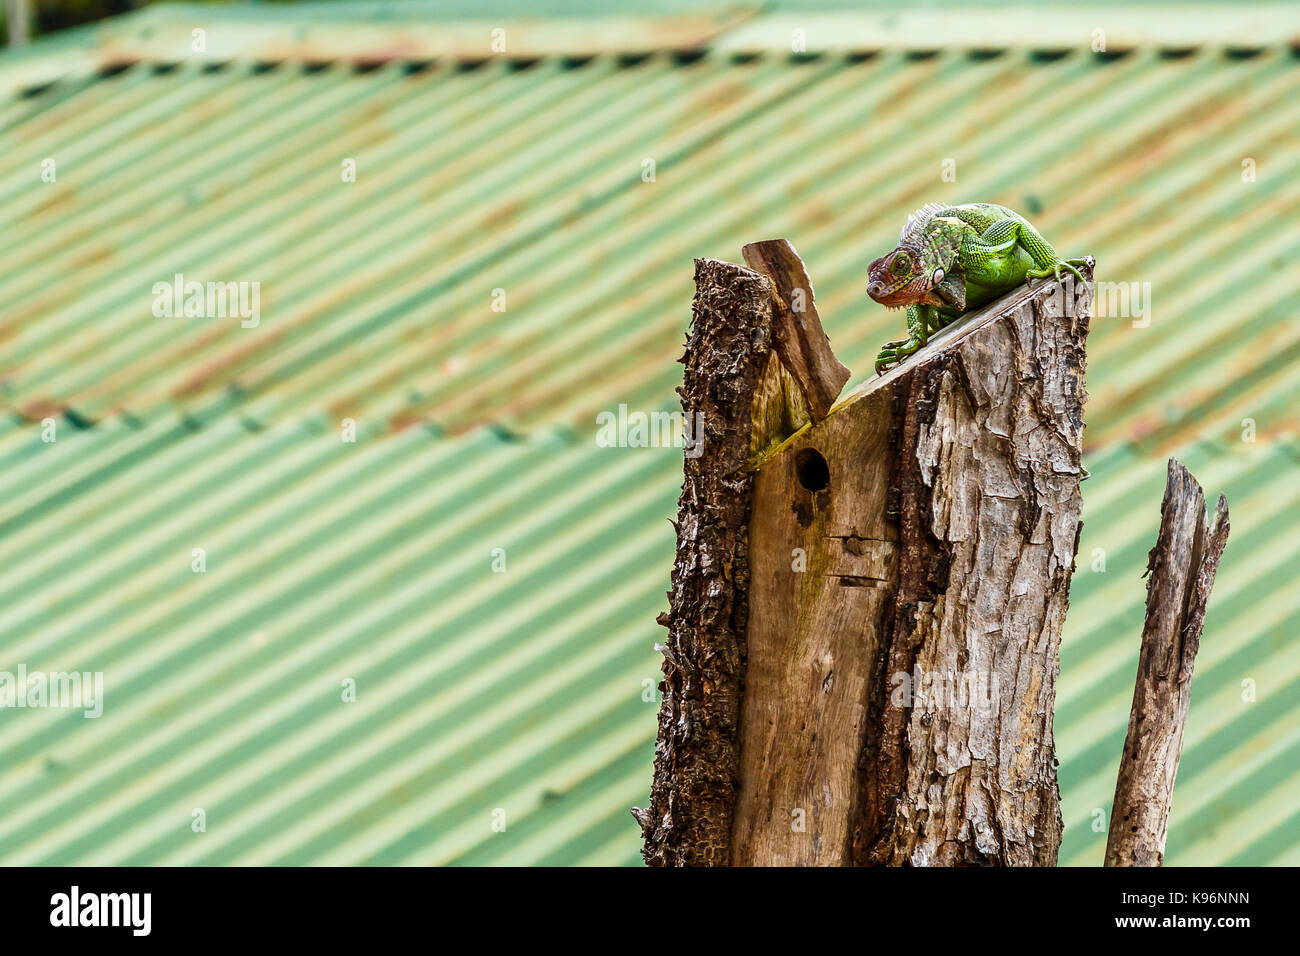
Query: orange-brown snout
point(891, 289)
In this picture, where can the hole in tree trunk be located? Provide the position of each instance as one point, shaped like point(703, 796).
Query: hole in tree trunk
point(811, 469)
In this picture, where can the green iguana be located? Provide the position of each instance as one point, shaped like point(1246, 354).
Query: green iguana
point(953, 258)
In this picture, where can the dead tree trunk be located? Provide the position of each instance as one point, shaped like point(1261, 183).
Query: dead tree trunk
point(1181, 569)
point(881, 688)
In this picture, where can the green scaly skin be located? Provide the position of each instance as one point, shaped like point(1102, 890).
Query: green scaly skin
point(951, 259)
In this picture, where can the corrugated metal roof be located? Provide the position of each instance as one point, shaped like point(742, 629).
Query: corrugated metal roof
point(530, 181)
point(523, 690)
point(325, 561)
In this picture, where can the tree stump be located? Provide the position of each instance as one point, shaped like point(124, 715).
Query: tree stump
point(867, 606)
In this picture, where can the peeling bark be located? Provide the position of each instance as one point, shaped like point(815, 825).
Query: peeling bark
point(1181, 569)
point(989, 523)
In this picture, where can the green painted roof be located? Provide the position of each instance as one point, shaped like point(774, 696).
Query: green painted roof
point(373, 561)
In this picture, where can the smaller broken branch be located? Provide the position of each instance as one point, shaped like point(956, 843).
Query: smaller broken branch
point(1181, 566)
point(797, 334)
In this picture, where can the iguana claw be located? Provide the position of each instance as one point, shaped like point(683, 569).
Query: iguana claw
point(893, 352)
point(1055, 270)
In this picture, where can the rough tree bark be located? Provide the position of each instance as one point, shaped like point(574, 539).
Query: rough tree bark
point(1181, 569)
point(926, 528)
point(689, 818)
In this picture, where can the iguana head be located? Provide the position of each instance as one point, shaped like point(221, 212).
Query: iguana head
point(925, 253)
point(902, 277)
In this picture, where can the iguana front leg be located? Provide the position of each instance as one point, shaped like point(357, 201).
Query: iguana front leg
point(921, 321)
point(1046, 261)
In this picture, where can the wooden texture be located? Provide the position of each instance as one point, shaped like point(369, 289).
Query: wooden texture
point(779, 408)
point(689, 818)
point(940, 547)
point(797, 334)
point(1181, 569)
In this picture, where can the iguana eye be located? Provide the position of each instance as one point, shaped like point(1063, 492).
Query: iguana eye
point(902, 262)
point(938, 276)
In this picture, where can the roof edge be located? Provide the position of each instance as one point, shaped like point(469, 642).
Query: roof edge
point(179, 33)
point(196, 32)
point(1101, 28)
